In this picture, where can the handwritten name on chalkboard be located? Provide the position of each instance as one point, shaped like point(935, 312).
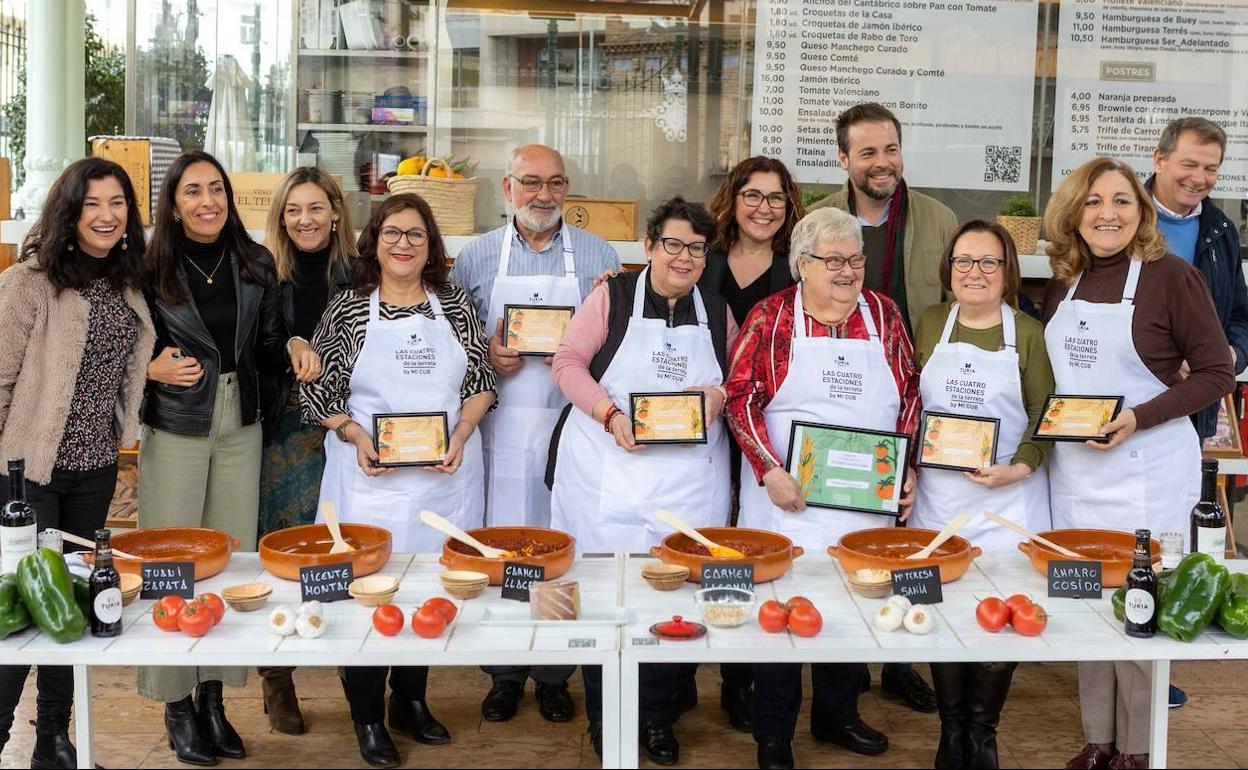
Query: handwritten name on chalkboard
point(730, 575)
point(1075, 579)
point(920, 585)
point(168, 578)
point(518, 578)
point(326, 582)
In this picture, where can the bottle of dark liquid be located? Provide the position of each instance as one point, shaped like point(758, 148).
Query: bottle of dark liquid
point(1141, 603)
point(17, 521)
point(105, 588)
point(1208, 518)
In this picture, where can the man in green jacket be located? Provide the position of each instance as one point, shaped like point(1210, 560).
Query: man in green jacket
point(904, 231)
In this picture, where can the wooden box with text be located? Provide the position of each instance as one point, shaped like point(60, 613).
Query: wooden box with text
point(612, 219)
point(253, 193)
point(135, 156)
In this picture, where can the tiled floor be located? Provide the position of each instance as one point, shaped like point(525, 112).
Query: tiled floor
point(1040, 726)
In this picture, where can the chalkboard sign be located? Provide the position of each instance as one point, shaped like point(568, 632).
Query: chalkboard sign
point(921, 585)
point(517, 578)
point(168, 578)
point(1075, 579)
point(728, 575)
point(325, 582)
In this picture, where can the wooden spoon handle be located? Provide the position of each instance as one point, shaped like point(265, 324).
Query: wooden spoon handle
point(330, 514)
point(949, 531)
point(449, 529)
point(85, 542)
point(671, 519)
point(1032, 536)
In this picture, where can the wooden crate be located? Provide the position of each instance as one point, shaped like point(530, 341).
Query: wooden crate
point(253, 193)
point(135, 156)
point(612, 219)
point(8, 252)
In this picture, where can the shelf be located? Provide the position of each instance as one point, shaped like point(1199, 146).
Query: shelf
point(349, 53)
point(360, 127)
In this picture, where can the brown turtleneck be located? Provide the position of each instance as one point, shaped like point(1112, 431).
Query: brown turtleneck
point(1174, 321)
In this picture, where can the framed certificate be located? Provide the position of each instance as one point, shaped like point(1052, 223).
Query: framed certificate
point(957, 442)
point(1076, 418)
point(668, 418)
point(535, 330)
point(848, 468)
point(411, 438)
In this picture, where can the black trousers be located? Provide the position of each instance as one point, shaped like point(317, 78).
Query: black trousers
point(778, 695)
point(365, 687)
point(556, 675)
point(735, 674)
point(658, 690)
point(75, 502)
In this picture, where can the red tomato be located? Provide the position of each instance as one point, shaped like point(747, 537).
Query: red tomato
point(805, 620)
point(165, 612)
point(444, 606)
point(214, 603)
point(799, 601)
point(1030, 620)
point(428, 622)
point(195, 619)
point(773, 616)
point(388, 619)
point(992, 614)
point(1017, 602)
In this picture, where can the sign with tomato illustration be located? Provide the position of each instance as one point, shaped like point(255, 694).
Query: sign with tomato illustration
point(957, 442)
point(535, 330)
point(848, 468)
point(410, 439)
point(669, 418)
point(1076, 418)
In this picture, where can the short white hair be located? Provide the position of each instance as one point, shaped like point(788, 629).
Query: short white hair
point(826, 224)
point(520, 152)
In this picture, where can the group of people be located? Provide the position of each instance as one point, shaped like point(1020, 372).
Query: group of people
point(255, 372)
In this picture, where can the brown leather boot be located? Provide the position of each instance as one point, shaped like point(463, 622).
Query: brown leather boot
point(1092, 757)
point(1128, 762)
point(280, 701)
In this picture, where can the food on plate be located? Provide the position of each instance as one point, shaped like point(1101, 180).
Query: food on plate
point(282, 621)
point(388, 619)
point(902, 550)
point(196, 619)
point(44, 584)
point(748, 548)
point(310, 626)
point(520, 547)
point(1193, 599)
point(428, 622)
point(889, 618)
point(992, 614)
point(918, 620)
point(554, 600)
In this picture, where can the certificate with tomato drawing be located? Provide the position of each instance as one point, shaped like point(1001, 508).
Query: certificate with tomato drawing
point(412, 438)
point(535, 330)
point(1076, 418)
point(848, 468)
point(669, 418)
point(957, 442)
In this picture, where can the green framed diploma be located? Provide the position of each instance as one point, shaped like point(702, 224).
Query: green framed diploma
point(410, 438)
point(848, 468)
point(668, 418)
point(535, 330)
point(956, 442)
point(1076, 418)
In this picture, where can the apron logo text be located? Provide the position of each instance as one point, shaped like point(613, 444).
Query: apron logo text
point(843, 384)
point(1081, 352)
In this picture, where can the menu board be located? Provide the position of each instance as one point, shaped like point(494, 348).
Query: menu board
point(1126, 68)
point(960, 76)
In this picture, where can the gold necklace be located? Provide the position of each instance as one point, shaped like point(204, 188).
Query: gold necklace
point(207, 276)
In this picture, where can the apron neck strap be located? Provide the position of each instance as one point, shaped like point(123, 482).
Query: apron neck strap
point(639, 299)
point(799, 316)
point(1128, 289)
point(504, 259)
point(374, 304)
point(1008, 330)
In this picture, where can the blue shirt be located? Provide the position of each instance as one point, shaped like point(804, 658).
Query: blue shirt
point(477, 263)
point(1181, 232)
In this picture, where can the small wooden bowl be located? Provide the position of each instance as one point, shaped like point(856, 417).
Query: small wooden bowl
point(665, 577)
point(247, 597)
point(131, 586)
point(462, 577)
point(876, 590)
point(373, 590)
point(468, 591)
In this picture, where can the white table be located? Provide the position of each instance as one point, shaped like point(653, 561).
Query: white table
point(1078, 630)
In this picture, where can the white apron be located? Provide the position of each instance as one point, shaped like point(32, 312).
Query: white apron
point(961, 378)
point(606, 497)
point(1153, 478)
point(805, 396)
point(410, 365)
point(516, 435)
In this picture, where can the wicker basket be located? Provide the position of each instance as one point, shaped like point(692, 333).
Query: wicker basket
point(450, 199)
point(1024, 230)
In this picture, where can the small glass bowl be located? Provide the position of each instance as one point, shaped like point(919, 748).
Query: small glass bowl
point(725, 607)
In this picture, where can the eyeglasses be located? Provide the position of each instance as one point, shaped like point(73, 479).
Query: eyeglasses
point(697, 249)
point(415, 236)
point(837, 262)
point(776, 200)
point(987, 265)
point(532, 184)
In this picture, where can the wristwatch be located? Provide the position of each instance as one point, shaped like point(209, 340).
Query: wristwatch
point(341, 431)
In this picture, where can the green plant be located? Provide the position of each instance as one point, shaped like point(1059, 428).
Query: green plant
point(1018, 206)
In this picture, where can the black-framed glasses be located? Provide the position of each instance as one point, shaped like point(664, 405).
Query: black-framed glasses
point(987, 265)
point(837, 262)
point(697, 249)
point(532, 184)
point(415, 236)
point(775, 200)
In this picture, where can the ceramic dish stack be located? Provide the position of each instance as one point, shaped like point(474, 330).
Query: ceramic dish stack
point(131, 586)
point(664, 577)
point(374, 590)
point(871, 583)
point(247, 597)
point(464, 584)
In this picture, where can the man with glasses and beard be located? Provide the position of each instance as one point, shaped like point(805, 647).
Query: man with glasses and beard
point(534, 259)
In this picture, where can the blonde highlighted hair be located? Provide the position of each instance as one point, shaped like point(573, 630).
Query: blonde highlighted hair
point(277, 240)
point(1068, 253)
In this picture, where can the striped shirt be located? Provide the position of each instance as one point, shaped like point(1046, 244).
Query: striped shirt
point(477, 263)
point(760, 364)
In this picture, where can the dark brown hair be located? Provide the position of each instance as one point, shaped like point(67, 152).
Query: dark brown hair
point(680, 210)
point(1012, 278)
point(723, 204)
point(366, 271)
point(868, 112)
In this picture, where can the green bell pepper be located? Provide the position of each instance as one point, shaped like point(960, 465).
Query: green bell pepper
point(13, 614)
point(1193, 601)
point(1233, 614)
point(82, 595)
point(44, 583)
point(1165, 580)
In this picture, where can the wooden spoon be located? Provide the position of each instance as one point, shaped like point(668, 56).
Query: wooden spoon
point(717, 551)
point(949, 531)
point(330, 514)
point(89, 544)
point(450, 530)
point(1022, 531)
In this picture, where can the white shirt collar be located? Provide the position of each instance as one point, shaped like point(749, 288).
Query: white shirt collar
point(883, 219)
point(1195, 212)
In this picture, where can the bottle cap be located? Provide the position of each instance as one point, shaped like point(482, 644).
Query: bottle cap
point(17, 465)
point(103, 534)
point(1142, 533)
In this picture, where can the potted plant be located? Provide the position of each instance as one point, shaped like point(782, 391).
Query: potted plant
point(1018, 216)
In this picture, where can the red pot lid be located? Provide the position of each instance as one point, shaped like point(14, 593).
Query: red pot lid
point(678, 628)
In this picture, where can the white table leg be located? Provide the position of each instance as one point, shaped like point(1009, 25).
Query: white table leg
point(83, 733)
point(1159, 720)
point(611, 713)
point(630, 690)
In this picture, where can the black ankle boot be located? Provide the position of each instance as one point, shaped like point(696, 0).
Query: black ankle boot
point(950, 685)
point(53, 751)
point(211, 707)
point(413, 718)
point(186, 737)
point(989, 684)
point(376, 746)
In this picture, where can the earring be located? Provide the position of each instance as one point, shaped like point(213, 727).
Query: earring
point(70, 247)
point(177, 218)
point(334, 227)
point(125, 243)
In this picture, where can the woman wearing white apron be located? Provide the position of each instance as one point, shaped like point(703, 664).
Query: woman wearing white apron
point(1123, 318)
point(405, 340)
point(652, 331)
point(981, 357)
point(779, 375)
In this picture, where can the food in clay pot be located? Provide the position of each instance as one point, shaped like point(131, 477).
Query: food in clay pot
point(772, 554)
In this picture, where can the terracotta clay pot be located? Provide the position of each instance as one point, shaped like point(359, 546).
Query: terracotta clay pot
point(886, 548)
point(210, 549)
point(775, 562)
point(457, 556)
point(284, 552)
point(1114, 549)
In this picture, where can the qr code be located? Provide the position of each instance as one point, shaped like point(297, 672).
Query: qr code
point(1002, 164)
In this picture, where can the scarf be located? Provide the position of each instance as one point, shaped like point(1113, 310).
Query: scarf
point(895, 244)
